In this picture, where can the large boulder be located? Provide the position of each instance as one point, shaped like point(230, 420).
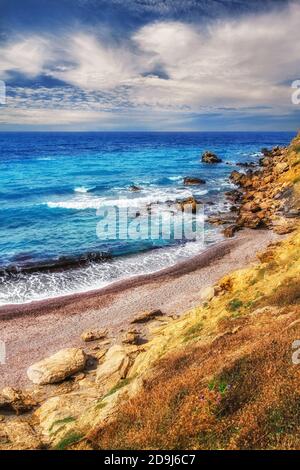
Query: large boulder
point(210, 157)
point(58, 367)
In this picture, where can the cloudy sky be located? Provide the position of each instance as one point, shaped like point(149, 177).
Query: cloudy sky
point(149, 64)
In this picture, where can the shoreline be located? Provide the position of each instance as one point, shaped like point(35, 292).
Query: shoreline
point(36, 330)
point(189, 264)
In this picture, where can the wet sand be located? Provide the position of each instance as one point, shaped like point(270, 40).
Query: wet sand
point(38, 329)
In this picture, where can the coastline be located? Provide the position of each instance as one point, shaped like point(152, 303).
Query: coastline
point(33, 331)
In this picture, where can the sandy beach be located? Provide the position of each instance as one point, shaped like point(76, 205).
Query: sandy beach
point(33, 331)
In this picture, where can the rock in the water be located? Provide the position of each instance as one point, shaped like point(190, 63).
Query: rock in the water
point(135, 188)
point(189, 181)
point(58, 367)
point(16, 400)
point(147, 316)
point(93, 335)
point(189, 202)
point(210, 157)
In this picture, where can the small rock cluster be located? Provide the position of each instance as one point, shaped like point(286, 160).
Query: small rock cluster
point(68, 382)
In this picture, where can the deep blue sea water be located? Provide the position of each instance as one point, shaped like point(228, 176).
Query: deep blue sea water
point(51, 185)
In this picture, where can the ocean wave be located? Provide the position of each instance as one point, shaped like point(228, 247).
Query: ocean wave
point(24, 288)
point(83, 189)
point(86, 201)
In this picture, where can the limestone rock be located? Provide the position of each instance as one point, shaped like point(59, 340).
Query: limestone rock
point(114, 367)
point(58, 367)
point(93, 335)
point(18, 435)
point(131, 337)
point(147, 316)
point(16, 400)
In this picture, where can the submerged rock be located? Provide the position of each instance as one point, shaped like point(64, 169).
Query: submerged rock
point(135, 188)
point(58, 367)
point(210, 157)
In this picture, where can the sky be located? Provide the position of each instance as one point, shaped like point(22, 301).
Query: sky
point(159, 65)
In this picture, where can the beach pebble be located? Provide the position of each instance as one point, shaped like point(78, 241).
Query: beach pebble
point(58, 367)
point(93, 335)
point(147, 316)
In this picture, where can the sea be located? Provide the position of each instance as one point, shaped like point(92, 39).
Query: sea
point(53, 185)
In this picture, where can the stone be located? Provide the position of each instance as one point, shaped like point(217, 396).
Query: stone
point(210, 157)
point(230, 231)
point(131, 337)
point(135, 188)
point(147, 316)
point(93, 335)
point(58, 367)
point(208, 293)
point(114, 367)
point(189, 202)
point(193, 181)
point(16, 400)
point(18, 435)
point(251, 207)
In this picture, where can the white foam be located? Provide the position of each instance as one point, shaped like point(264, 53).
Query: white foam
point(25, 288)
point(87, 201)
point(83, 189)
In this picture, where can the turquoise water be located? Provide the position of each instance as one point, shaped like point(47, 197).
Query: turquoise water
point(53, 183)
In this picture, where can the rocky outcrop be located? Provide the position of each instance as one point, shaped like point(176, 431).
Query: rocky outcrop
point(210, 157)
point(114, 367)
point(18, 435)
point(56, 368)
point(264, 197)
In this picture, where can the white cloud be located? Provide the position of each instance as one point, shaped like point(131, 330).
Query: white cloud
point(26, 56)
point(244, 63)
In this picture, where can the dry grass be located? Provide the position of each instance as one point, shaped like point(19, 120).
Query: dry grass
point(195, 402)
